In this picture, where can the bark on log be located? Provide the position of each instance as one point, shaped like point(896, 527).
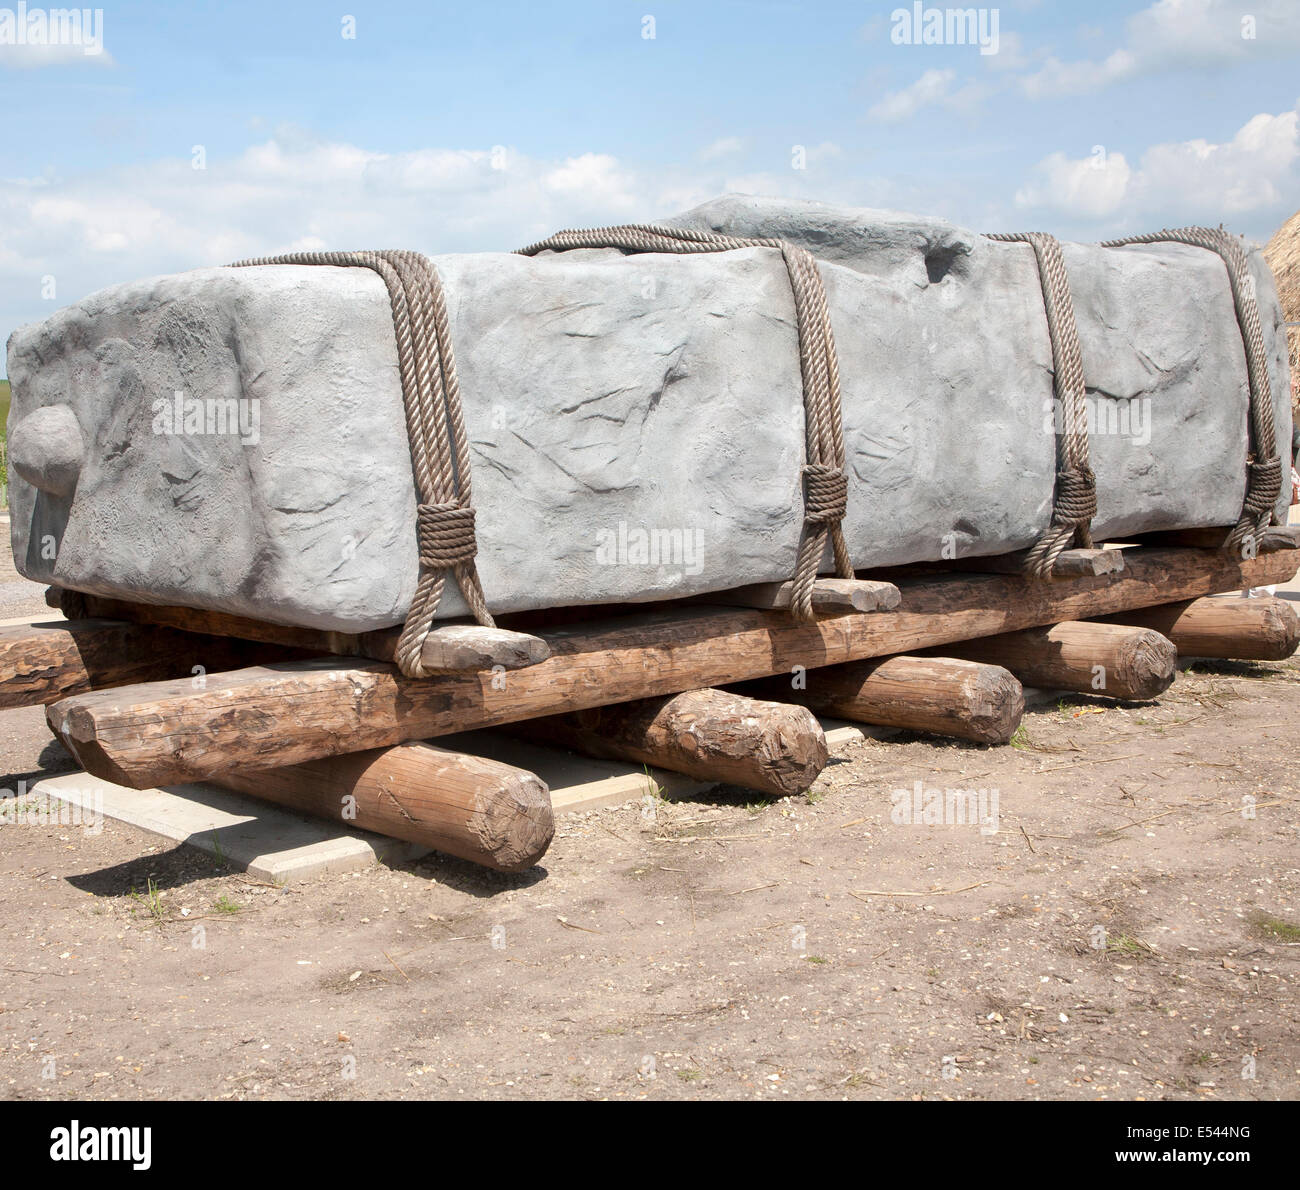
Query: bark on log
point(166, 733)
point(1107, 659)
point(44, 662)
point(480, 810)
point(937, 695)
point(1265, 629)
point(711, 735)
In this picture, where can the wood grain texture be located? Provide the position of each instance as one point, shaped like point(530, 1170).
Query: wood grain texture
point(1261, 629)
point(711, 735)
point(1118, 661)
point(166, 733)
point(42, 663)
point(477, 809)
point(936, 695)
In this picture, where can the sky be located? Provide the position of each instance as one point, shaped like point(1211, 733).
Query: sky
point(174, 136)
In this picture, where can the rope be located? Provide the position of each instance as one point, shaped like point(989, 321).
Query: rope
point(1075, 499)
point(825, 481)
point(435, 425)
point(1263, 463)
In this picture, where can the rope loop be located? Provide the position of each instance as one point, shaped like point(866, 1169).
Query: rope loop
point(1264, 466)
point(436, 429)
point(826, 496)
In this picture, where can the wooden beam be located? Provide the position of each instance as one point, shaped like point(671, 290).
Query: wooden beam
point(451, 647)
point(1275, 537)
point(44, 662)
point(935, 695)
point(1107, 659)
point(478, 809)
point(830, 596)
point(1071, 563)
point(711, 735)
point(1262, 629)
point(166, 733)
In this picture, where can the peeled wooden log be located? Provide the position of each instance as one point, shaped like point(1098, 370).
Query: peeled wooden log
point(448, 648)
point(1275, 537)
point(166, 732)
point(478, 809)
point(1069, 563)
point(1107, 659)
point(938, 695)
point(44, 662)
point(1265, 629)
point(711, 735)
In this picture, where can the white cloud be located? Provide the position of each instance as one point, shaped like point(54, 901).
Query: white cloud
point(34, 57)
point(295, 192)
point(934, 86)
point(1173, 34)
point(1258, 170)
point(727, 146)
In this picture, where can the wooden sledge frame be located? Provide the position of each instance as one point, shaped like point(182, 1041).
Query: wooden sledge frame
point(156, 733)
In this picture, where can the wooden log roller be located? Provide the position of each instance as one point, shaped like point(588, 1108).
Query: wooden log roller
point(477, 809)
point(1113, 660)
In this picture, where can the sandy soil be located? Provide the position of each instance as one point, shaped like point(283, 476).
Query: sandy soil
point(1130, 931)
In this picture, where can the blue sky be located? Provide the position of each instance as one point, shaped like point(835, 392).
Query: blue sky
point(463, 127)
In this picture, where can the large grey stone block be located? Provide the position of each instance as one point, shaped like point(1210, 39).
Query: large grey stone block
point(635, 422)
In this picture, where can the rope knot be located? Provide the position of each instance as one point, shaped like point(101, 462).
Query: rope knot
point(1263, 485)
point(1076, 496)
point(446, 535)
point(827, 494)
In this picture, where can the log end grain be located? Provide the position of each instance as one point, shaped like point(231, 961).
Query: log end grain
point(1145, 666)
point(994, 704)
point(513, 823)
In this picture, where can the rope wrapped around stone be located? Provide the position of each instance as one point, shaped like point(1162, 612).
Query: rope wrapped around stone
point(1264, 465)
point(825, 481)
point(1074, 502)
point(436, 428)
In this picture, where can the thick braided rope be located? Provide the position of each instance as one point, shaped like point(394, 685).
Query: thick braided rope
point(1075, 499)
point(825, 481)
point(1264, 466)
point(435, 425)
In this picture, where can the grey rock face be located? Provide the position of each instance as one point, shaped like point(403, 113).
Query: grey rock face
point(636, 423)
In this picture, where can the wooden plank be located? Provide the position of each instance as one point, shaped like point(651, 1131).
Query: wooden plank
point(450, 647)
point(481, 810)
point(1261, 629)
point(1276, 537)
point(1107, 659)
point(711, 735)
point(1071, 563)
point(830, 596)
point(166, 733)
point(935, 695)
point(45, 661)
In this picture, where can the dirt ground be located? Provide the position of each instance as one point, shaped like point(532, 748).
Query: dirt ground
point(1131, 931)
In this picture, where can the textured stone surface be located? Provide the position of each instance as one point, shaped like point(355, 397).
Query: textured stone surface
point(614, 403)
